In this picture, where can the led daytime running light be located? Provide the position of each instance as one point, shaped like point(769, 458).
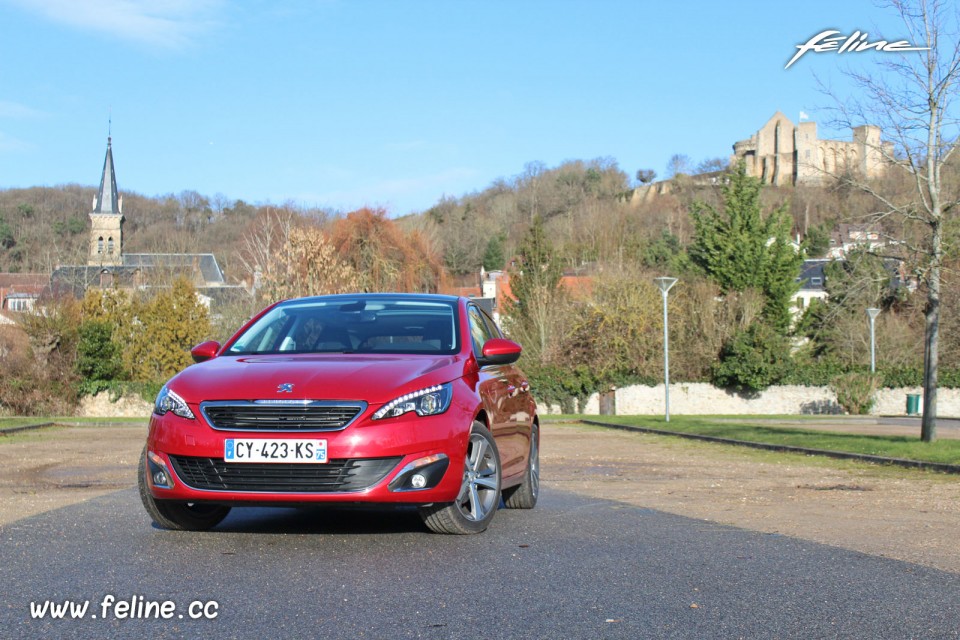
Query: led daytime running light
point(387, 409)
point(167, 400)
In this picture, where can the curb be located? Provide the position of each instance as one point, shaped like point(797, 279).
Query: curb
point(7, 431)
point(841, 455)
point(27, 427)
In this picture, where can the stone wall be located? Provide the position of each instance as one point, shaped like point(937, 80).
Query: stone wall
point(103, 406)
point(685, 399)
point(705, 399)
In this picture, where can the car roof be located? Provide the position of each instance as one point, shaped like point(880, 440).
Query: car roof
point(435, 297)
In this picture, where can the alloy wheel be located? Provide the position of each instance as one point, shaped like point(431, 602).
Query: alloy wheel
point(480, 491)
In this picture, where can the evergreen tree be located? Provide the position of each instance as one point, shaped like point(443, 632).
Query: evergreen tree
point(535, 283)
point(98, 356)
point(493, 257)
point(538, 270)
point(169, 324)
point(665, 254)
point(817, 242)
point(740, 248)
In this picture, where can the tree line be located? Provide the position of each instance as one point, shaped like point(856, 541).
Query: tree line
point(730, 245)
point(733, 322)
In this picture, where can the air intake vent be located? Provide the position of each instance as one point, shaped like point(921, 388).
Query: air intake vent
point(291, 416)
point(213, 474)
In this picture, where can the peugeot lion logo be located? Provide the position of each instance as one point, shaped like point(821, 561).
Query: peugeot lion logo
point(285, 387)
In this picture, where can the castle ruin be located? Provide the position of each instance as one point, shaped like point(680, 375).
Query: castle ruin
point(784, 154)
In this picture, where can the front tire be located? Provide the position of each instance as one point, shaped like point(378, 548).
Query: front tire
point(175, 514)
point(524, 495)
point(479, 494)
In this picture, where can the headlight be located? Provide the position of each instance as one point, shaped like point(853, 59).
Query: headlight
point(426, 402)
point(169, 401)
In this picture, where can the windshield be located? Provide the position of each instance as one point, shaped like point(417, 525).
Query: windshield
point(353, 325)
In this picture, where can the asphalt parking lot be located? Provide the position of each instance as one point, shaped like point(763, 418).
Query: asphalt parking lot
point(574, 567)
point(628, 541)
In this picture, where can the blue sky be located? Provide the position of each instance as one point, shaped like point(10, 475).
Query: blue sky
point(395, 103)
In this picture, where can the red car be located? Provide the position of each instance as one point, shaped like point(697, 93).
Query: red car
point(367, 398)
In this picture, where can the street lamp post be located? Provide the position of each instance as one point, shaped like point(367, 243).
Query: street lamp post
point(872, 314)
point(664, 284)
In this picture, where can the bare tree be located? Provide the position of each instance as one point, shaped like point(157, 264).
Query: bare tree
point(220, 203)
point(912, 97)
point(264, 240)
point(711, 165)
point(679, 165)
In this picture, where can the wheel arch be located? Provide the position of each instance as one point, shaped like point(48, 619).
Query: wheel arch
point(481, 416)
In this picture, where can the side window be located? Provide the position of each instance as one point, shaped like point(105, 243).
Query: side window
point(479, 332)
point(266, 338)
point(494, 329)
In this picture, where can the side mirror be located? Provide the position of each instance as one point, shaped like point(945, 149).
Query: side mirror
point(205, 350)
point(499, 351)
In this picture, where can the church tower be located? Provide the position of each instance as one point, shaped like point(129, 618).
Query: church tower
point(106, 219)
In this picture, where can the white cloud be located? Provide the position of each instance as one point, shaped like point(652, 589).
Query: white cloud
point(170, 24)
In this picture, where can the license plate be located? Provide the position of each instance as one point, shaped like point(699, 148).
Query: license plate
point(303, 451)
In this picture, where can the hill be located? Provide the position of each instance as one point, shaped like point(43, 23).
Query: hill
point(42, 227)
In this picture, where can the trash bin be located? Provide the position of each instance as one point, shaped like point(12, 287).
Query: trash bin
point(913, 404)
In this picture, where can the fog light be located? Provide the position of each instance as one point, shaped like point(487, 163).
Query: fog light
point(422, 473)
point(159, 474)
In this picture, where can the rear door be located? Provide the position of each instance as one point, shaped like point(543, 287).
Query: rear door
point(500, 391)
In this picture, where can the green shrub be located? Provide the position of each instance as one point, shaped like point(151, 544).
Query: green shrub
point(98, 356)
point(569, 387)
point(822, 373)
point(813, 374)
point(895, 377)
point(855, 391)
point(752, 360)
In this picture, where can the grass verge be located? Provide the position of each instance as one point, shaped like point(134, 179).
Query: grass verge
point(7, 423)
point(904, 447)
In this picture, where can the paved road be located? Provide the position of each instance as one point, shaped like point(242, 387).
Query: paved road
point(944, 425)
point(572, 568)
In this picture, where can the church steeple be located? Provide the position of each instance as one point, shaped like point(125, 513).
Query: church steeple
point(107, 199)
point(106, 218)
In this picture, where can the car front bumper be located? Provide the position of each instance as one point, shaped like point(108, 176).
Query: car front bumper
point(368, 462)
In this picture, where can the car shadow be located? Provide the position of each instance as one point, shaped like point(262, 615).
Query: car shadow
point(322, 520)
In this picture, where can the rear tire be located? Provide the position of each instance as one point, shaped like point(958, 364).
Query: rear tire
point(479, 494)
point(524, 495)
point(176, 514)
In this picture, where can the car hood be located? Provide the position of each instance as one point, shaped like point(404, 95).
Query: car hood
point(372, 378)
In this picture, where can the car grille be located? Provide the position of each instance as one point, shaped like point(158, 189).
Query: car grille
point(213, 474)
point(281, 416)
